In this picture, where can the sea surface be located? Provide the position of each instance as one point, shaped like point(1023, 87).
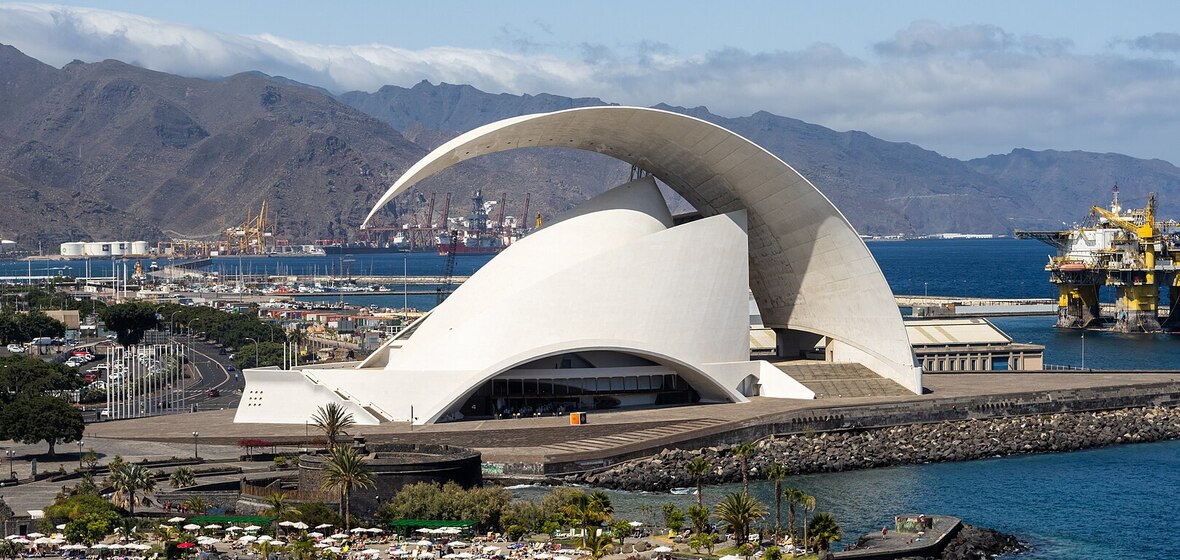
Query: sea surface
point(1114, 502)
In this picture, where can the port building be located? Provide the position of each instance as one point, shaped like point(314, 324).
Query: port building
point(970, 345)
point(617, 303)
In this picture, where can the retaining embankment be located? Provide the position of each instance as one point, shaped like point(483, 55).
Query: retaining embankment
point(848, 449)
point(575, 466)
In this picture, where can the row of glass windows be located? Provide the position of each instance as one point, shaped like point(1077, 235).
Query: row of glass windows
point(985, 363)
point(586, 385)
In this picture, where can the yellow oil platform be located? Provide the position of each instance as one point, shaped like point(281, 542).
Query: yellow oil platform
point(1124, 249)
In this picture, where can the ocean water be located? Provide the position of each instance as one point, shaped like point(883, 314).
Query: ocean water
point(1114, 502)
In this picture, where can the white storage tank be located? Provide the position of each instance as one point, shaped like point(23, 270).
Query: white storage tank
point(73, 249)
point(7, 246)
point(139, 247)
point(98, 249)
point(120, 248)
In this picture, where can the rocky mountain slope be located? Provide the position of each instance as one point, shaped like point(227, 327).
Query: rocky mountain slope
point(111, 151)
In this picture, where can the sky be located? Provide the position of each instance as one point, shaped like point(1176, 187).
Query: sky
point(965, 79)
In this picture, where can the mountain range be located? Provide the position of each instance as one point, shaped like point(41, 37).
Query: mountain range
point(108, 150)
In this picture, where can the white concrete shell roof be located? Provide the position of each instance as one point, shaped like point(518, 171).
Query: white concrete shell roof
point(809, 270)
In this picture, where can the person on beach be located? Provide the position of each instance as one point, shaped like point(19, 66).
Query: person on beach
point(884, 531)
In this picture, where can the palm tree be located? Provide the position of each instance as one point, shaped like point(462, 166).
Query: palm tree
point(345, 470)
point(824, 530)
point(698, 468)
point(599, 545)
point(793, 496)
point(182, 477)
point(699, 517)
point(777, 472)
point(278, 507)
point(739, 511)
point(584, 510)
point(807, 501)
point(196, 504)
point(601, 506)
point(332, 419)
point(743, 451)
point(127, 479)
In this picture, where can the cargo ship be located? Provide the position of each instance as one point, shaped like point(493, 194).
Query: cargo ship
point(478, 238)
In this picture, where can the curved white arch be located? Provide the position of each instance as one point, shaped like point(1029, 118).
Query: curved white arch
point(809, 270)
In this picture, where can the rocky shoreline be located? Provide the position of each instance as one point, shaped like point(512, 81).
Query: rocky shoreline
point(899, 445)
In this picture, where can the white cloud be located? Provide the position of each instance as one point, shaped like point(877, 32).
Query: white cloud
point(964, 91)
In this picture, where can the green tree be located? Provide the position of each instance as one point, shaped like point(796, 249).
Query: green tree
point(793, 496)
point(698, 515)
point(278, 507)
point(738, 512)
point(773, 553)
point(9, 549)
point(129, 320)
point(182, 477)
point(698, 467)
point(598, 544)
point(318, 513)
point(91, 527)
point(128, 479)
point(88, 517)
point(267, 354)
point(486, 505)
point(196, 504)
point(30, 419)
point(743, 451)
point(332, 419)
point(703, 540)
point(824, 530)
point(345, 470)
point(777, 472)
point(29, 375)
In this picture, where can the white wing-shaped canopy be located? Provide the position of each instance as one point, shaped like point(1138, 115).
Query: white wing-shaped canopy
point(809, 270)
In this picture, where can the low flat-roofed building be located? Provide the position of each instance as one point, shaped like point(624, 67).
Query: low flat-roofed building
point(969, 344)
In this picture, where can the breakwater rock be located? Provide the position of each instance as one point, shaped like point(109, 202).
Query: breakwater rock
point(899, 445)
point(976, 543)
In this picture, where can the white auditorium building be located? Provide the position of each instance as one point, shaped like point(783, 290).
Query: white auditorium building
point(616, 305)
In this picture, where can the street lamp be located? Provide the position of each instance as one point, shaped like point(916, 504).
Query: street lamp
point(171, 321)
point(79, 454)
point(255, 350)
point(10, 453)
point(195, 455)
point(1083, 349)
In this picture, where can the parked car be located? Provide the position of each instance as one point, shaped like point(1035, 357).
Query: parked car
point(16, 349)
point(229, 367)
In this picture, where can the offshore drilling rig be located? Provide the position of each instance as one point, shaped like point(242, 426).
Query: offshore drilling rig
point(1124, 249)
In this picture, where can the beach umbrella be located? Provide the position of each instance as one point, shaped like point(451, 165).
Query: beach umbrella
point(491, 549)
point(265, 538)
point(636, 524)
point(339, 536)
point(425, 530)
point(176, 520)
point(329, 540)
point(562, 557)
point(61, 527)
point(359, 530)
point(286, 523)
point(252, 528)
point(375, 530)
point(278, 542)
point(213, 526)
point(321, 545)
point(662, 549)
point(457, 544)
point(186, 545)
point(424, 542)
point(323, 526)
point(334, 549)
point(232, 529)
point(42, 540)
point(315, 534)
point(397, 552)
point(299, 525)
point(248, 538)
point(35, 535)
point(21, 540)
point(191, 527)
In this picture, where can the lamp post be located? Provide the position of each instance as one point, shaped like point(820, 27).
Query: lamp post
point(10, 453)
point(926, 288)
point(255, 350)
point(195, 454)
point(1083, 349)
point(79, 454)
point(171, 321)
